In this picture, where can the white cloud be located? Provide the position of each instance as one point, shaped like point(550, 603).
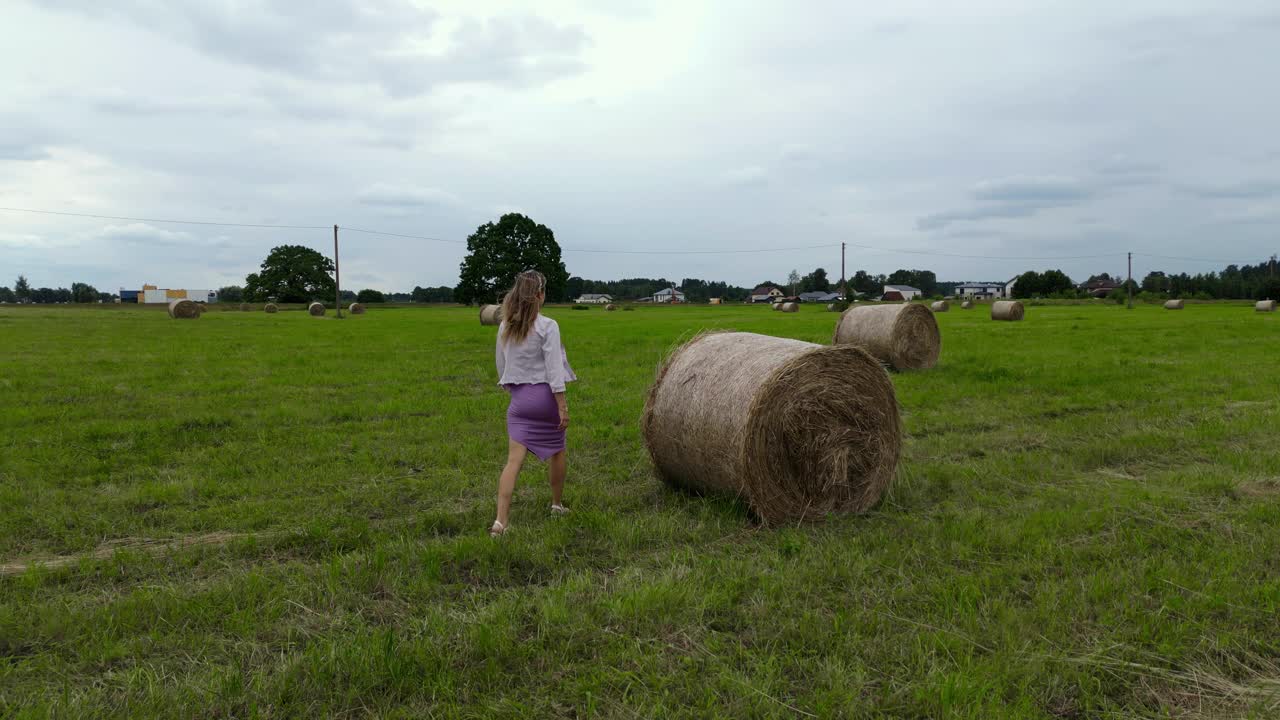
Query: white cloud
point(405, 197)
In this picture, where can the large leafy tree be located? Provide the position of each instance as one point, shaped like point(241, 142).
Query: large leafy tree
point(370, 296)
point(22, 289)
point(497, 252)
point(231, 294)
point(815, 281)
point(291, 273)
point(6, 295)
point(83, 293)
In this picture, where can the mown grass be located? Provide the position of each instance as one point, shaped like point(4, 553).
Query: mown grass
point(1084, 524)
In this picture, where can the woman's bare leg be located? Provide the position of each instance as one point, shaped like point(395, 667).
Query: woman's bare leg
point(507, 481)
point(557, 468)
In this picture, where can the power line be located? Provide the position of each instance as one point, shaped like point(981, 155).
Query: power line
point(402, 235)
point(161, 220)
point(985, 257)
point(701, 252)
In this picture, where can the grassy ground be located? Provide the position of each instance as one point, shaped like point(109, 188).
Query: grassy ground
point(1084, 525)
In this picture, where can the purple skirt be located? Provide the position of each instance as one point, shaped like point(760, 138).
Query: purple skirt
point(533, 419)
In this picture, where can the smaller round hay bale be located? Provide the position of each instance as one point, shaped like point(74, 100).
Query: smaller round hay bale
point(183, 310)
point(1173, 305)
point(200, 308)
point(316, 309)
point(904, 336)
point(245, 307)
point(966, 305)
point(356, 309)
point(1265, 306)
point(796, 430)
point(610, 307)
point(777, 306)
point(1008, 310)
point(271, 308)
point(490, 314)
point(790, 307)
point(940, 306)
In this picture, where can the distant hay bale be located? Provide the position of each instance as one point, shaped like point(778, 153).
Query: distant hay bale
point(797, 430)
point(245, 307)
point(777, 306)
point(316, 309)
point(610, 307)
point(1010, 310)
point(183, 310)
point(271, 308)
point(714, 301)
point(789, 307)
point(490, 314)
point(940, 306)
point(904, 336)
point(966, 305)
point(1173, 305)
point(356, 309)
point(1265, 306)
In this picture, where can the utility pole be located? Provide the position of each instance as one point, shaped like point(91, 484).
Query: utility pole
point(844, 284)
point(337, 283)
point(1129, 285)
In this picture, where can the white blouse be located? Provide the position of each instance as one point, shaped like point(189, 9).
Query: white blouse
point(539, 359)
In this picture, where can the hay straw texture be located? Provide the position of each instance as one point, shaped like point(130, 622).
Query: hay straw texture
point(789, 307)
point(201, 308)
point(1265, 306)
point(245, 307)
point(316, 309)
point(183, 310)
point(271, 308)
point(1010, 310)
point(966, 305)
point(905, 336)
point(795, 429)
point(1173, 305)
point(940, 306)
point(777, 306)
point(610, 307)
point(490, 314)
point(356, 309)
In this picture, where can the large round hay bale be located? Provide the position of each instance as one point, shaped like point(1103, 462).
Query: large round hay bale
point(1265, 306)
point(316, 309)
point(610, 307)
point(1010, 310)
point(940, 306)
point(795, 429)
point(1173, 305)
point(245, 307)
point(777, 306)
point(789, 307)
point(356, 309)
point(904, 336)
point(490, 314)
point(183, 310)
point(271, 308)
point(966, 305)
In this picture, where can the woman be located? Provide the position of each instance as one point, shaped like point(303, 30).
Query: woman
point(532, 367)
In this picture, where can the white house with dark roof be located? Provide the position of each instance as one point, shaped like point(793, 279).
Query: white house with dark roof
point(982, 290)
point(594, 299)
point(666, 295)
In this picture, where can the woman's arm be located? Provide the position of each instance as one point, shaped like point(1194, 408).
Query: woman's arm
point(563, 405)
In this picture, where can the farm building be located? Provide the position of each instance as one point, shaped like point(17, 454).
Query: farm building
point(594, 299)
point(667, 295)
point(152, 295)
point(901, 292)
point(765, 293)
point(981, 290)
point(819, 296)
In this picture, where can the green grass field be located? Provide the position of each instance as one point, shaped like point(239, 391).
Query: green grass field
point(1084, 525)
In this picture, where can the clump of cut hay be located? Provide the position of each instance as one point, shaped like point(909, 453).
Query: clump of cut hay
point(271, 308)
point(183, 310)
point(1010, 310)
point(966, 305)
point(316, 309)
point(1265, 306)
point(904, 336)
point(490, 314)
point(356, 309)
point(245, 307)
point(1173, 305)
point(940, 306)
point(795, 429)
point(610, 307)
point(789, 307)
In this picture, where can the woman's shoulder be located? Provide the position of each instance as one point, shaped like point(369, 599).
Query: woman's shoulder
point(544, 323)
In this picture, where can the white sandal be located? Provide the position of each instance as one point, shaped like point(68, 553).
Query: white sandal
point(559, 510)
point(497, 529)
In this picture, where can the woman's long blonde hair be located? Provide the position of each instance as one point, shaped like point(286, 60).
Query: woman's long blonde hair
point(520, 306)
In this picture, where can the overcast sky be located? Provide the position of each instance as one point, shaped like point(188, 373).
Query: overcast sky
point(1011, 129)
